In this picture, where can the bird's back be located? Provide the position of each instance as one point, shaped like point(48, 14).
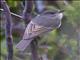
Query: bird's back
point(47, 21)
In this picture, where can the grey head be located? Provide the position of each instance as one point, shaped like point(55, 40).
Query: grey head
point(57, 13)
point(49, 18)
point(53, 12)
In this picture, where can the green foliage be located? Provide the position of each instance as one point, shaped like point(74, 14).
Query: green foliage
point(2, 34)
point(12, 3)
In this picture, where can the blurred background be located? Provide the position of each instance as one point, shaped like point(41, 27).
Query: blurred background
point(60, 44)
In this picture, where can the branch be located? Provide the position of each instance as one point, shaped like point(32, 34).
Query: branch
point(16, 15)
point(8, 29)
point(27, 18)
point(27, 11)
point(34, 48)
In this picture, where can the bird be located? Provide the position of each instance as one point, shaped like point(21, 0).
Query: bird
point(41, 24)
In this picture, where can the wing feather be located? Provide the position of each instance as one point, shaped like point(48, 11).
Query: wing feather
point(33, 30)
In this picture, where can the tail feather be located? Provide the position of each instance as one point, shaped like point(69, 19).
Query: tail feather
point(23, 44)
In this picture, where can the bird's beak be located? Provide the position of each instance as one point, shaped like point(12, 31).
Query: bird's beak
point(61, 11)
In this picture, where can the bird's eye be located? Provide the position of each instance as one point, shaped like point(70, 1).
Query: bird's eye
point(49, 13)
point(52, 12)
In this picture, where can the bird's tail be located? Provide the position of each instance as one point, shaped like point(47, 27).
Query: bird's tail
point(23, 44)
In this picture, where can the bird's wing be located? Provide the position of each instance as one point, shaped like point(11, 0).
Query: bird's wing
point(31, 32)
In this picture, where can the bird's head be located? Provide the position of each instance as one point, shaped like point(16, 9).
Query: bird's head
point(57, 14)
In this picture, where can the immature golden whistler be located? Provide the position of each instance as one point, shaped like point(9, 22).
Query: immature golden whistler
point(45, 22)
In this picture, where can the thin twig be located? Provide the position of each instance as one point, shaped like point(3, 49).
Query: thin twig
point(16, 15)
